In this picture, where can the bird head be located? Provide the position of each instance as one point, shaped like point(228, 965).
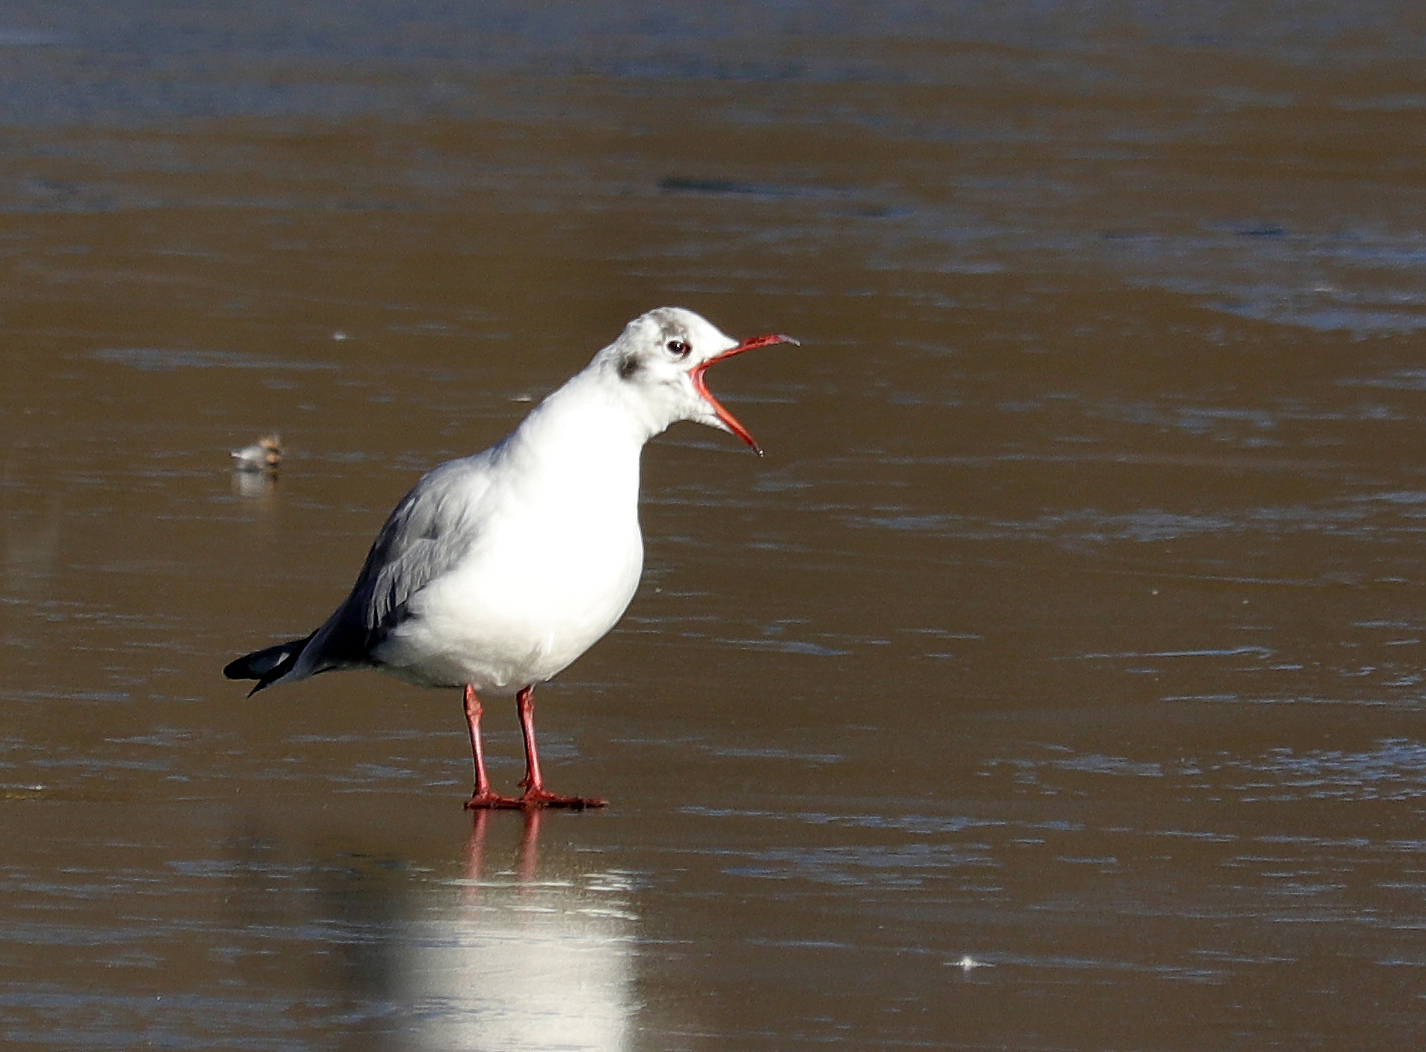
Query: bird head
point(662, 356)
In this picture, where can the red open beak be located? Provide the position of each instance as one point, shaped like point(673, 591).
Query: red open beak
point(702, 388)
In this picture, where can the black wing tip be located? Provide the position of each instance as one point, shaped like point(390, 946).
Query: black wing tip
point(267, 665)
point(238, 669)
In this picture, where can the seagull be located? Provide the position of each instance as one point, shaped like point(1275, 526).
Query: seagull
point(498, 570)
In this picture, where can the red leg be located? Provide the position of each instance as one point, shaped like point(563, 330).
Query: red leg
point(535, 793)
point(483, 796)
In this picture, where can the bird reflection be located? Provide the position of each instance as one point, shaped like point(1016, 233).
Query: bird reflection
point(514, 961)
point(254, 484)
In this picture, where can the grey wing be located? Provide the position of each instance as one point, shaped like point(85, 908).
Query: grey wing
point(426, 535)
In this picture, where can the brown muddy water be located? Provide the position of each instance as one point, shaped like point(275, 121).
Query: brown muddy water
point(1053, 683)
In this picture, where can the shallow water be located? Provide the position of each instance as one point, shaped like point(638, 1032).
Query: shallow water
point(1052, 683)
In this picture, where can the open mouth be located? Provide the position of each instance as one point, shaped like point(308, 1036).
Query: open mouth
point(730, 421)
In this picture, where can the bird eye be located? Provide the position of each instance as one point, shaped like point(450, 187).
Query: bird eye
point(677, 347)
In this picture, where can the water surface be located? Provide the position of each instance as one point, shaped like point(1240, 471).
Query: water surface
point(1053, 682)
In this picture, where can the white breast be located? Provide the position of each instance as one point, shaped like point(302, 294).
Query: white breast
point(555, 562)
point(521, 608)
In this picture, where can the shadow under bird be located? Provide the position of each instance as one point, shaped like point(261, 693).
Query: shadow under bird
point(498, 570)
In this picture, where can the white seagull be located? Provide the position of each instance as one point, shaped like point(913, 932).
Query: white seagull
point(498, 570)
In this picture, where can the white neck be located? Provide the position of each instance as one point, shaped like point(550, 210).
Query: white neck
point(585, 439)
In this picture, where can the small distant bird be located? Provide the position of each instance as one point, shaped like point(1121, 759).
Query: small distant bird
point(498, 570)
point(263, 455)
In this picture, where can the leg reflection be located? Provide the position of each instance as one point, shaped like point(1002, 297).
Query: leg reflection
point(537, 955)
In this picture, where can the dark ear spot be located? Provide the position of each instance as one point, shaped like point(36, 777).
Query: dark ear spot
point(628, 366)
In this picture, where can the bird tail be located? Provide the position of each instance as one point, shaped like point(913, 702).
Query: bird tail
point(269, 665)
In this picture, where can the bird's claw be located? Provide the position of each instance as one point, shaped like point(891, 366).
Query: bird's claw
point(489, 800)
point(534, 798)
point(531, 800)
